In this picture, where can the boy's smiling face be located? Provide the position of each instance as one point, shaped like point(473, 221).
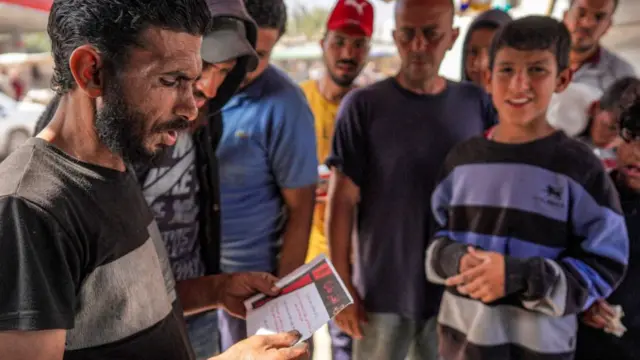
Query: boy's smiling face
point(522, 83)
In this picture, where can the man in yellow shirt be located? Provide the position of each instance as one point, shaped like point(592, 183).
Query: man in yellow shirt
point(345, 50)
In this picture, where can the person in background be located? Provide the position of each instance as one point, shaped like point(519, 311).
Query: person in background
point(570, 109)
point(84, 271)
point(345, 48)
point(593, 342)
point(601, 131)
point(588, 21)
point(475, 53)
point(530, 228)
point(268, 168)
point(390, 141)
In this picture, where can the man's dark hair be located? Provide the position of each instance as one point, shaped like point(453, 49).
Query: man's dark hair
point(532, 33)
point(113, 27)
point(271, 14)
point(615, 5)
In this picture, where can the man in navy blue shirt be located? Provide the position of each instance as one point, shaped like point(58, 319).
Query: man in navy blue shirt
point(390, 141)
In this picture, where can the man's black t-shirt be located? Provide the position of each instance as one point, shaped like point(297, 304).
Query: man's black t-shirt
point(79, 250)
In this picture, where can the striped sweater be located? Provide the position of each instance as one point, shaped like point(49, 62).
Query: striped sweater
point(552, 210)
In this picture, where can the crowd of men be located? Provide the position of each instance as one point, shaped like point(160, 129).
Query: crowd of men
point(176, 173)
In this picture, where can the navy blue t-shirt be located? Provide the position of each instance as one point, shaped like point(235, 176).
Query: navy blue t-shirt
point(392, 143)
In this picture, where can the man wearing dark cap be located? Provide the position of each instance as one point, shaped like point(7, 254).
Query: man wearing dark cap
point(182, 187)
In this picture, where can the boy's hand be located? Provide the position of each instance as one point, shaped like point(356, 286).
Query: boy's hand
point(485, 281)
point(469, 261)
point(599, 315)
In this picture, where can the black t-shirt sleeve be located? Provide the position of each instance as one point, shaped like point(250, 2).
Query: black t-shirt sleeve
point(348, 151)
point(38, 269)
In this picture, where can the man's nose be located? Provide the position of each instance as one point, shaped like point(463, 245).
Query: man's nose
point(347, 51)
point(520, 81)
point(186, 106)
point(419, 42)
point(587, 22)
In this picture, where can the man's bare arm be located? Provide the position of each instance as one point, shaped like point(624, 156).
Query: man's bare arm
point(299, 203)
point(30, 345)
point(342, 200)
point(200, 294)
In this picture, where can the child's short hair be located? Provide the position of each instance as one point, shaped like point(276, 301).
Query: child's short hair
point(534, 33)
point(628, 107)
point(617, 95)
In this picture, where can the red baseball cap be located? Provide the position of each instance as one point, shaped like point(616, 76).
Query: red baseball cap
point(350, 15)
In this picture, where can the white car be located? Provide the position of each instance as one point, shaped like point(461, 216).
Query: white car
point(17, 123)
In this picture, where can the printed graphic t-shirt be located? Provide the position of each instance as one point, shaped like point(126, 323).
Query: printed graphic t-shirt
point(79, 250)
point(172, 193)
point(324, 113)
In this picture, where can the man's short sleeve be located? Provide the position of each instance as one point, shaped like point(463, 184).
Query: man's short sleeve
point(38, 269)
point(292, 144)
point(348, 150)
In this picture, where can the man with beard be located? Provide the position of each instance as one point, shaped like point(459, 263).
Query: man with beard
point(390, 141)
point(84, 273)
point(268, 168)
point(588, 21)
point(345, 48)
point(182, 187)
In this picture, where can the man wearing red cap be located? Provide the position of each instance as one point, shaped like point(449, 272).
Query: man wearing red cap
point(345, 47)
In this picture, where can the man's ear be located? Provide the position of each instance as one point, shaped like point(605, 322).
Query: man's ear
point(563, 80)
point(455, 32)
point(86, 67)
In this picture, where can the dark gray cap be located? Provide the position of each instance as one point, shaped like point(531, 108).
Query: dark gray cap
point(227, 40)
point(232, 34)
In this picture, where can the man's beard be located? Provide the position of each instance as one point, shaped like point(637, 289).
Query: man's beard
point(345, 81)
point(581, 48)
point(121, 128)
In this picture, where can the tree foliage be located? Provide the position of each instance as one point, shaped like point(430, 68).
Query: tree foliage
point(308, 21)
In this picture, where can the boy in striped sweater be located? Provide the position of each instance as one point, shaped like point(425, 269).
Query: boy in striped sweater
point(530, 227)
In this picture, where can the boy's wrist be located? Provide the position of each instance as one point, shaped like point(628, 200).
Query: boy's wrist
point(516, 271)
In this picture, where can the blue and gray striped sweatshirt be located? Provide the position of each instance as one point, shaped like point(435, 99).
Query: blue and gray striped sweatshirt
point(552, 210)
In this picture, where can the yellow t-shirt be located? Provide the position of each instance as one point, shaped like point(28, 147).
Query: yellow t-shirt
point(324, 113)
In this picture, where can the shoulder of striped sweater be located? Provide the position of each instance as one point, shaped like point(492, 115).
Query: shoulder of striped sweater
point(466, 148)
point(580, 155)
